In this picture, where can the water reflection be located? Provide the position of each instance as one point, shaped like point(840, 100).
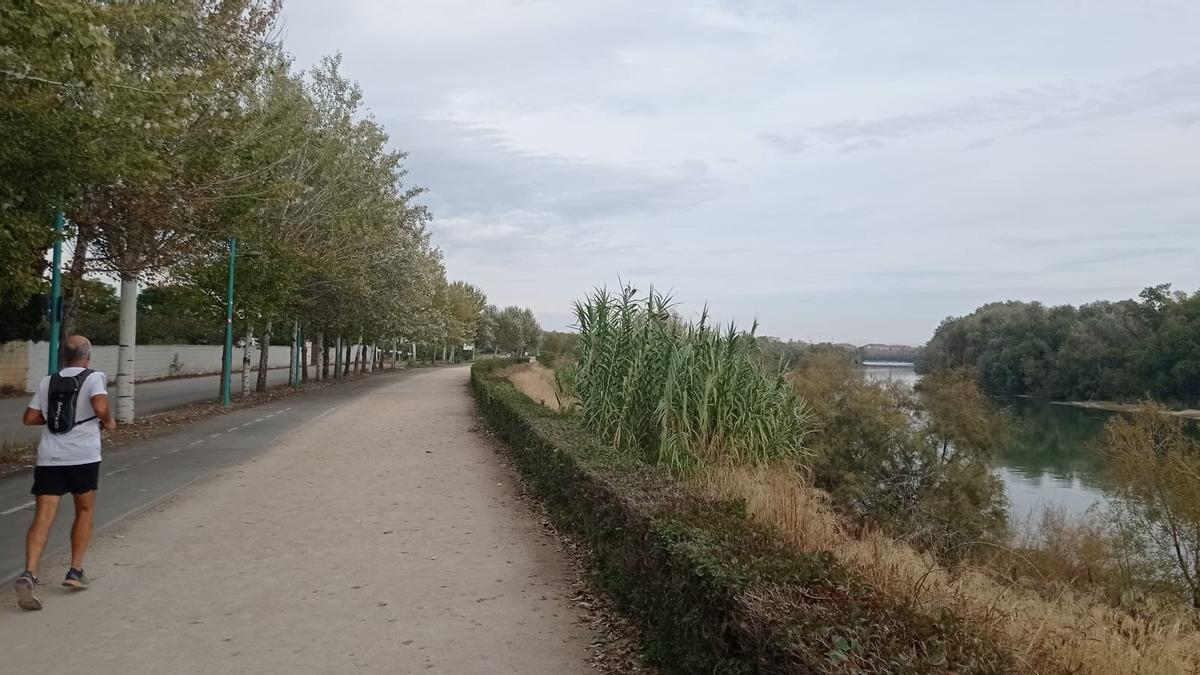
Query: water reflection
point(1051, 460)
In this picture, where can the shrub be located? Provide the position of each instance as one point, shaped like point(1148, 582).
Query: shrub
point(886, 459)
point(716, 592)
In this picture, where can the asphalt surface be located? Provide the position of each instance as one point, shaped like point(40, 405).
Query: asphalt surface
point(136, 474)
point(152, 398)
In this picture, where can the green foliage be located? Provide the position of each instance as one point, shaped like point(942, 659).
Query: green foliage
point(681, 394)
point(24, 318)
point(779, 356)
point(169, 127)
point(917, 465)
point(715, 592)
point(1125, 350)
point(558, 349)
point(179, 314)
point(516, 329)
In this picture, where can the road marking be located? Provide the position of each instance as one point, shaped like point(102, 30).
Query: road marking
point(325, 413)
point(215, 435)
point(196, 442)
point(260, 419)
point(171, 452)
point(17, 508)
point(230, 431)
point(116, 471)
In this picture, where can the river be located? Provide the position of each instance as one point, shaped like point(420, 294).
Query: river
point(1050, 461)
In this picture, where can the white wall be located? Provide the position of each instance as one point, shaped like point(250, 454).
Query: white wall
point(154, 361)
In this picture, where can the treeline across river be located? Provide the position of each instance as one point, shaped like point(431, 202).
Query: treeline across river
point(1129, 350)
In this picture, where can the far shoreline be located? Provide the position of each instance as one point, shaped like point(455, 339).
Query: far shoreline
point(1113, 406)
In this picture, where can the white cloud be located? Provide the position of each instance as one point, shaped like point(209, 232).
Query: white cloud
point(844, 170)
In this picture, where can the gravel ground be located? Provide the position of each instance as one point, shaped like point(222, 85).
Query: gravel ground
point(385, 536)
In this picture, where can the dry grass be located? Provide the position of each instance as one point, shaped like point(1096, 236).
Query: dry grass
point(1070, 632)
point(537, 382)
point(14, 455)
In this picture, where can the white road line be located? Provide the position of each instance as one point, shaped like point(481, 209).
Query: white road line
point(17, 508)
point(325, 413)
point(230, 431)
point(260, 419)
point(116, 471)
point(171, 452)
point(215, 435)
point(196, 442)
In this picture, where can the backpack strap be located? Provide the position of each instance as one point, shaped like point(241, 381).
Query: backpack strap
point(80, 378)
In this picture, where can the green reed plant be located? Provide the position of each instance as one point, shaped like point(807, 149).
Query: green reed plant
point(684, 394)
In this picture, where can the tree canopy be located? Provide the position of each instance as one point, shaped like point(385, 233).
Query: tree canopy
point(165, 129)
point(1125, 350)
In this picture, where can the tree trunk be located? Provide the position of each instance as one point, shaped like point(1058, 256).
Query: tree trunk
point(303, 361)
point(346, 361)
point(127, 341)
point(72, 291)
point(337, 358)
point(246, 362)
point(292, 358)
point(324, 359)
point(264, 359)
point(319, 356)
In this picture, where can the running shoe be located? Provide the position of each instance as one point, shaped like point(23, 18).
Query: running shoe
point(26, 587)
point(76, 579)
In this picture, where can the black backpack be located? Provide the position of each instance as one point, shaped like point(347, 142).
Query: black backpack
point(63, 400)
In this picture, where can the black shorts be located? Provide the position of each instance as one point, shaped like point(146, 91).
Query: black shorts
point(59, 480)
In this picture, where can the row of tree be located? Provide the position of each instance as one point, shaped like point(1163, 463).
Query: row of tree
point(1126, 350)
point(167, 130)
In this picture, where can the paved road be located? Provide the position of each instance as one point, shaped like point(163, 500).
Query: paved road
point(152, 397)
point(384, 536)
point(140, 472)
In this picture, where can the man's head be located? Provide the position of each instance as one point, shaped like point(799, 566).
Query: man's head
point(77, 351)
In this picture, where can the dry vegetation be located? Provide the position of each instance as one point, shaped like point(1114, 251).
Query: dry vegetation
point(1063, 630)
point(1068, 632)
point(538, 383)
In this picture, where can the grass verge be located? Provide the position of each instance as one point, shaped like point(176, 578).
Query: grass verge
point(717, 591)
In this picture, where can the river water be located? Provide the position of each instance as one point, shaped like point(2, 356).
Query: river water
point(1050, 461)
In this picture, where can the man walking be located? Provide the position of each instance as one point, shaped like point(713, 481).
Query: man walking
point(72, 406)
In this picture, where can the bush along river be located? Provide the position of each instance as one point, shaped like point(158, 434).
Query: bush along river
point(1052, 459)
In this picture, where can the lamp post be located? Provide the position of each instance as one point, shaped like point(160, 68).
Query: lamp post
point(227, 356)
point(56, 291)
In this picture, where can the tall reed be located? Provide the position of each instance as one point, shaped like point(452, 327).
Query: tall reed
point(685, 394)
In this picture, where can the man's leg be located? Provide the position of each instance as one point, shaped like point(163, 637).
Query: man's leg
point(81, 531)
point(39, 531)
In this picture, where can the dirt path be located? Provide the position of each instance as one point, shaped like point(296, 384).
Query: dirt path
point(383, 537)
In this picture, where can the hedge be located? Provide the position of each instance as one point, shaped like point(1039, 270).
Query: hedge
point(714, 591)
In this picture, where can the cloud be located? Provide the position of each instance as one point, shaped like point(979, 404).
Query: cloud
point(788, 145)
point(854, 171)
point(1061, 104)
point(478, 170)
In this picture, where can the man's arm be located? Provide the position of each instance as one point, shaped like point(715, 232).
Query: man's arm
point(100, 405)
point(33, 418)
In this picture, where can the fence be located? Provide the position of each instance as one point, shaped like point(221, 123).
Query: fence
point(24, 364)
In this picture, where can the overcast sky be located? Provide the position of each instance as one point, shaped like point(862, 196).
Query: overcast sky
point(840, 170)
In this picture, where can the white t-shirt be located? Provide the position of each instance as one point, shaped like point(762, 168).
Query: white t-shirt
point(80, 445)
